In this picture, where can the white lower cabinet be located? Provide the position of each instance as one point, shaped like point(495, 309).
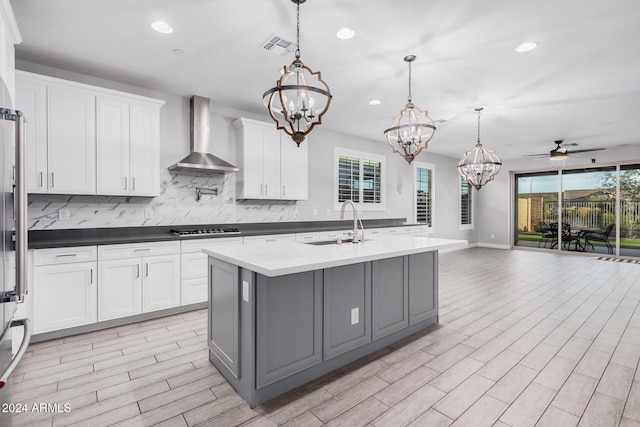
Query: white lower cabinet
point(65, 288)
point(194, 267)
point(138, 278)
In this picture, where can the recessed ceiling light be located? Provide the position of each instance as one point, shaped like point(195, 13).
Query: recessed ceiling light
point(526, 47)
point(345, 33)
point(374, 102)
point(162, 27)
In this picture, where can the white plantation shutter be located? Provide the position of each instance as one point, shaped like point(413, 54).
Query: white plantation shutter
point(359, 177)
point(348, 179)
point(424, 196)
point(466, 203)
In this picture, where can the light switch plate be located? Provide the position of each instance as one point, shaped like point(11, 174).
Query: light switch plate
point(245, 291)
point(355, 315)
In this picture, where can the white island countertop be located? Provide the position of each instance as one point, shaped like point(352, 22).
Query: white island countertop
point(280, 258)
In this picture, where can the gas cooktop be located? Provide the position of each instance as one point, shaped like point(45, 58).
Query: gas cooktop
point(204, 231)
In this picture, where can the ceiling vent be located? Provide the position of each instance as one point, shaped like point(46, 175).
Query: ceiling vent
point(278, 45)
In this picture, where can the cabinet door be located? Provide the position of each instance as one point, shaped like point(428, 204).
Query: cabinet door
point(271, 163)
point(72, 140)
point(423, 289)
point(289, 325)
point(161, 282)
point(347, 302)
point(145, 150)
point(120, 288)
point(112, 145)
point(294, 170)
point(250, 183)
point(31, 98)
point(64, 295)
point(389, 296)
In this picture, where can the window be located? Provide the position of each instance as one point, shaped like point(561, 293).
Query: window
point(466, 205)
point(424, 197)
point(359, 178)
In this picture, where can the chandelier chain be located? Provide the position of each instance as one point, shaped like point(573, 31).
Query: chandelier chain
point(479, 126)
point(298, 31)
point(409, 81)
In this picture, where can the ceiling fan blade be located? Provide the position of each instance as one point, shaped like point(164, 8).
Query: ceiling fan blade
point(586, 150)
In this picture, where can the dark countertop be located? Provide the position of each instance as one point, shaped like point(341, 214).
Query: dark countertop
point(59, 238)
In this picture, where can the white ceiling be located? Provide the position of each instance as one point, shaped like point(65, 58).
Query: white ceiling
point(582, 83)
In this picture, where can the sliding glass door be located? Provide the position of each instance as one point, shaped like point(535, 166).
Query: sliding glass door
point(536, 209)
point(589, 210)
point(630, 210)
point(594, 210)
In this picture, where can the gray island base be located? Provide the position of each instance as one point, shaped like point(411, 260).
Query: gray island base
point(269, 333)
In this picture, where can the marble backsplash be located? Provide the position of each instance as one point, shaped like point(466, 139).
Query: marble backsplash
point(176, 205)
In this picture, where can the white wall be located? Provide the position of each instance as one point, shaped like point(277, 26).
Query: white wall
point(495, 213)
point(177, 205)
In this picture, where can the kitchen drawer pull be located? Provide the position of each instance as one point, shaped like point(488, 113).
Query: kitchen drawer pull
point(41, 179)
point(125, 182)
point(270, 240)
point(142, 249)
point(51, 179)
point(65, 255)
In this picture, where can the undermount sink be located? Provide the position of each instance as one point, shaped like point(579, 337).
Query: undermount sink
point(330, 242)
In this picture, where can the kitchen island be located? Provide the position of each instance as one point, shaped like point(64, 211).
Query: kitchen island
point(284, 313)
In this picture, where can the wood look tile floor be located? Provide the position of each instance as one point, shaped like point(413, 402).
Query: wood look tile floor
point(525, 339)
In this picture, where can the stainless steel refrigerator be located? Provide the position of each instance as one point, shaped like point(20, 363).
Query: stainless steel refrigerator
point(13, 244)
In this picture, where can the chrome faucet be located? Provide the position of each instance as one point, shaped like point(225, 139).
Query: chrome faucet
point(355, 236)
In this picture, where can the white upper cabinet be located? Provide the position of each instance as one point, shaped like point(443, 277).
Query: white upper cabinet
point(271, 166)
point(32, 99)
point(128, 147)
point(87, 140)
point(71, 154)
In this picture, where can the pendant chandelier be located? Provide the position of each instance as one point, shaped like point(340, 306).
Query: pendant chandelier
point(480, 165)
point(412, 129)
point(300, 97)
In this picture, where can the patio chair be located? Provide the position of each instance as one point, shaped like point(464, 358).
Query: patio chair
point(548, 234)
point(568, 237)
point(600, 236)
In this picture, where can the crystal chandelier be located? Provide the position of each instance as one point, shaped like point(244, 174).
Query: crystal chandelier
point(480, 165)
point(300, 97)
point(412, 129)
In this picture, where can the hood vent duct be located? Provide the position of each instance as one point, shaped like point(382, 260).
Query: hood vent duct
point(200, 138)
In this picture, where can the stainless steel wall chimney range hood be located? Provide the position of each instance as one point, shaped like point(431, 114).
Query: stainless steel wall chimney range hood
point(200, 157)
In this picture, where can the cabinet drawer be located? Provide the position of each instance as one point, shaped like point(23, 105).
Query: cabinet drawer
point(138, 250)
point(194, 290)
point(198, 244)
point(270, 238)
point(307, 237)
point(194, 265)
point(64, 255)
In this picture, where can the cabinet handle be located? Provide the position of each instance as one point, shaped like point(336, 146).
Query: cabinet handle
point(41, 179)
point(137, 271)
point(65, 255)
point(91, 275)
point(125, 182)
point(261, 188)
point(141, 249)
point(270, 240)
point(146, 269)
point(283, 190)
point(133, 183)
point(266, 189)
point(51, 179)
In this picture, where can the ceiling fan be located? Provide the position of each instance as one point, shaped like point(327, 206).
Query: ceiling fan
point(561, 153)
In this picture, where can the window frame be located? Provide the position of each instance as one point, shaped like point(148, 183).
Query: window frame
point(432, 168)
point(462, 226)
point(361, 156)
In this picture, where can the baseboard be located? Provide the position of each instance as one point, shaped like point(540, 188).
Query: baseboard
point(493, 246)
point(458, 248)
